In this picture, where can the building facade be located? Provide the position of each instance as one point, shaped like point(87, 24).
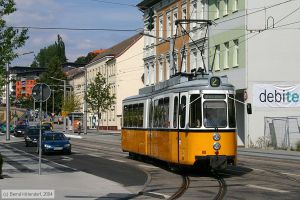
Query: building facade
point(254, 43)
point(122, 66)
point(171, 48)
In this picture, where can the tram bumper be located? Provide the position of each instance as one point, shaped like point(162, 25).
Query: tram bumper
point(218, 162)
point(214, 162)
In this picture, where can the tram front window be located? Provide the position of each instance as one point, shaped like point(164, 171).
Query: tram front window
point(215, 114)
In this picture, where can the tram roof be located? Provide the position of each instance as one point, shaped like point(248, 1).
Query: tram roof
point(181, 84)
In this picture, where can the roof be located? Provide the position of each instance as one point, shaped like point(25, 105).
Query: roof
point(147, 4)
point(98, 51)
point(74, 72)
point(119, 49)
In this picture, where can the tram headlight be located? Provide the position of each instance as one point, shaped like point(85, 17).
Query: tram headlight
point(216, 137)
point(217, 146)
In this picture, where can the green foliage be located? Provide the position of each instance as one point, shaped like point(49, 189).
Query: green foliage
point(98, 95)
point(71, 103)
point(86, 59)
point(25, 102)
point(10, 39)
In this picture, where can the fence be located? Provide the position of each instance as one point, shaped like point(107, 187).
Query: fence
point(281, 132)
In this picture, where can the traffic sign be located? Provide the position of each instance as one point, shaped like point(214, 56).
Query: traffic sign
point(41, 92)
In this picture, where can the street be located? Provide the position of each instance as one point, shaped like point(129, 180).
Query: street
point(100, 155)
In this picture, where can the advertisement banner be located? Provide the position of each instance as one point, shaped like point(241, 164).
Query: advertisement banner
point(274, 95)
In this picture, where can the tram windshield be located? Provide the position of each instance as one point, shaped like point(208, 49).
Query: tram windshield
point(214, 114)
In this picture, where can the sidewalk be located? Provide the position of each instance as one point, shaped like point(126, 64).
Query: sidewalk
point(20, 171)
point(276, 154)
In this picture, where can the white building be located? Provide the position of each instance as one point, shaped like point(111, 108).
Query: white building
point(256, 44)
point(122, 65)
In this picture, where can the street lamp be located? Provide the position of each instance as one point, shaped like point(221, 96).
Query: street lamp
point(65, 88)
point(7, 97)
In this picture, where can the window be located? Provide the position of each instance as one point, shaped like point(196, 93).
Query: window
point(194, 59)
point(184, 16)
point(195, 111)
point(193, 12)
point(215, 114)
point(169, 24)
point(175, 112)
point(175, 17)
point(217, 58)
point(217, 14)
point(175, 62)
point(225, 11)
point(132, 115)
point(167, 68)
point(153, 80)
point(235, 6)
point(161, 113)
point(161, 27)
point(236, 53)
point(226, 55)
point(147, 75)
point(184, 61)
point(231, 111)
point(161, 71)
point(182, 111)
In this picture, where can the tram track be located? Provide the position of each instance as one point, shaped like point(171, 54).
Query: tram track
point(222, 186)
point(184, 187)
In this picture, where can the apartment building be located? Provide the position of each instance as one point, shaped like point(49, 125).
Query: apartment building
point(255, 44)
point(122, 66)
point(190, 39)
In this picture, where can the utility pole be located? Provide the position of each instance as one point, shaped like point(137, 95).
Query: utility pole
point(85, 103)
point(7, 104)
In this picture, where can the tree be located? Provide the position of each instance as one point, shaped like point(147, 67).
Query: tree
point(54, 69)
point(86, 59)
point(46, 55)
point(10, 39)
point(99, 97)
point(71, 103)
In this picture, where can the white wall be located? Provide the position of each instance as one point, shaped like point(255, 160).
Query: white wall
point(130, 68)
point(273, 57)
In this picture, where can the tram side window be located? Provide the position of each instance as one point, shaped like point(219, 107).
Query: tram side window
point(166, 122)
point(195, 111)
point(175, 112)
point(140, 115)
point(150, 125)
point(182, 111)
point(125, 116)
point(231, 111)
point(133, 115)
point(161, 113)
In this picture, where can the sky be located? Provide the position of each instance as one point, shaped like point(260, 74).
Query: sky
point(87, 14)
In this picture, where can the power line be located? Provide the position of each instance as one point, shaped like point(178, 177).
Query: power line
point(114, 3)
point(75, 29)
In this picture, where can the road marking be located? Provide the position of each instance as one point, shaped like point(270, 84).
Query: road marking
point(255, 169)
point(66, 158)
point(290, 174)
point(148, 166)
point(269, 189)
point(156, 195)
point(122, 161)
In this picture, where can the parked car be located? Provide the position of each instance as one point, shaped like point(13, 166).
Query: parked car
point(31, 136)
point(20, 130)
point(53, 142)
point(3, 128)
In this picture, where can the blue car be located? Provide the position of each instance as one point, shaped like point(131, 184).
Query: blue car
point(53, 142)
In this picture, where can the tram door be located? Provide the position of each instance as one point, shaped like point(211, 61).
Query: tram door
point(183, 120)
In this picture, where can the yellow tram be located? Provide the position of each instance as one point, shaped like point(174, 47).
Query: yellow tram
point(187, 120)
